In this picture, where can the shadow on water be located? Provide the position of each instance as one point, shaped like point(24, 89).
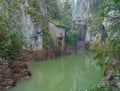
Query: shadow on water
point(65, 73)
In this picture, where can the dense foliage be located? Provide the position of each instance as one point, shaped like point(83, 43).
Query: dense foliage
point(10, 31)
point(67, 21)
point(71, 37)
point(108, 43)
point(112, 43)
point(53, 9)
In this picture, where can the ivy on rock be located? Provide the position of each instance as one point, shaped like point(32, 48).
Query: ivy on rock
point(39, 20)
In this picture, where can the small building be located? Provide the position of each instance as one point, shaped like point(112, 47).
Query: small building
point(58, 36)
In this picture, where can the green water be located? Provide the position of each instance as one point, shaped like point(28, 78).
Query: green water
point(65, 73)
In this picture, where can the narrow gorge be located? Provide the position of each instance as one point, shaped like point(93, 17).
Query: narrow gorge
point(59, 45)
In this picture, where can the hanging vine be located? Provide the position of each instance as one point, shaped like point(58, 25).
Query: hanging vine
point(39, 20)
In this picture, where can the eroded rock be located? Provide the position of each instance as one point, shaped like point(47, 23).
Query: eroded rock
point(11, 73)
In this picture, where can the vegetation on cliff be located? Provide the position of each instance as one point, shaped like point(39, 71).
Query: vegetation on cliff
point(108, 44)
point(10, 30)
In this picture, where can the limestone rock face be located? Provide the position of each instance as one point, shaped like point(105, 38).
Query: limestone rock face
point(32, 34)
point(83, 10)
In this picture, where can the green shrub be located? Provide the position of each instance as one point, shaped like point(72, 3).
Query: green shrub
point(10, 42)
point(10, 45)
point(70, 37)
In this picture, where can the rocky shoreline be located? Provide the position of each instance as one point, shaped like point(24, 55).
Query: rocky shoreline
point(10, 73)
point(111, 79)
point(14, 71)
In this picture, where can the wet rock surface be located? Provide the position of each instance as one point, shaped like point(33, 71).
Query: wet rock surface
point(12, 73)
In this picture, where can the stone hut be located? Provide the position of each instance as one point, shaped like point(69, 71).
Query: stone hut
point(58, 35)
